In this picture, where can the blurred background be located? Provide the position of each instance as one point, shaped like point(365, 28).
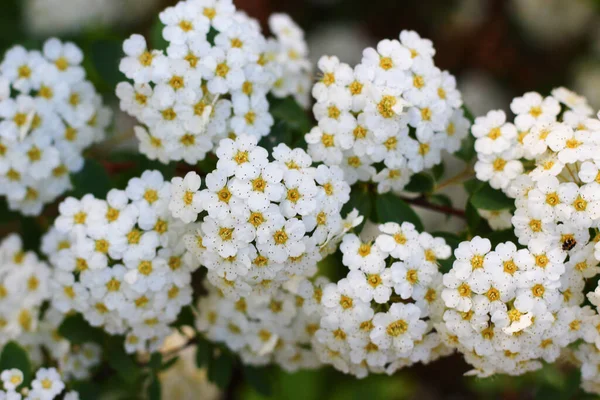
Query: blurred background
point(497, 49)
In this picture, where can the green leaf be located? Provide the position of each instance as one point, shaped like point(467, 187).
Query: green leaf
point(14, 356)
point(157, 41)
point(204, 351)
point(420, 183)
point(87, 390)
point(106, 55)
point(390, 208)
point(438, 171)
point(290, 112)
point(467, 149)
point(473, 185)
point(123, 364)
point(91, 179)
point(77, 330)
point(185, 318)
point(220, 369)
point(487, 198)
point(259, 379)
point(154, 389)
point(473, 217)
point(498, 237)
point(155, 361)
point(280, 133)
point(360, 198)
point(169, 363)
point(31, 232)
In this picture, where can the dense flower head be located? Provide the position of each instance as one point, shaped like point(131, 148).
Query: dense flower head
point(510, 309)
point(379, 317)
point(46, 385)
point(212, 80)
point(275, 328)
point(389, 117)
point(49, 114)
point(262, 221)
point(24, 286)
point(376, 320)
point(120, 262)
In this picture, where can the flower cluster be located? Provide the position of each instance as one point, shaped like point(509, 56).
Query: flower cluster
point(47, 385)
point(24, 286)
point(389, 117)
point(74, 361)
point(379, 318)
point(265, 221)
point(263, 329)
point(510, 309)
point(213, 79)
point(49, 113)
point(120, 261)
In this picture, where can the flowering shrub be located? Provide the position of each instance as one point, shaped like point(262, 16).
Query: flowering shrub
point(262, 240)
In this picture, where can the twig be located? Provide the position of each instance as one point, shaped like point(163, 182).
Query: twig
point(465, 174)
point(424, 203)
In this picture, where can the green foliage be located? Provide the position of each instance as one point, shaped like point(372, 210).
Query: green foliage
point(14, 356)
point(220, 368)
point(93, 179)
point(31, 233)
point(438, 171)
point(390, 208)
point(497, 237)
point(486, 198)
point(420, 183)
point(77, 330)
point(204, 351)
point(122, 363)
point(106, 54)
point(259, 379)
point(87, 390)
point(473, 218)
point(157, 41)
point(467, 149)
point(291, 124)
point(360, 198)
point(154, 389)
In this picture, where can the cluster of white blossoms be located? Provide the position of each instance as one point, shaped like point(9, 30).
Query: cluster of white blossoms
point(380, 317)
point(24, 286)
point(74, 361)
point(270, 328)
point(120, 262)
point(263, 221)
point(46, 385)
point(389, 117)
point(213, 79)
point(49, 113)
point(510, 309)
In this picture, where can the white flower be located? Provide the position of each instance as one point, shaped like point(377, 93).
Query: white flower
point(11, 378)
point(533, 109)
point(399, 328)
point(493, 134)
point(140, 65)
point(367, 257)
point(47, 382)
point(185, 199)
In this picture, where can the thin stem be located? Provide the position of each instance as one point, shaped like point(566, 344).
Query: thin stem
point(467, 173)
point(424, 203)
